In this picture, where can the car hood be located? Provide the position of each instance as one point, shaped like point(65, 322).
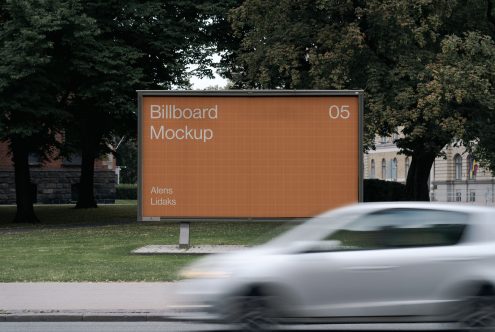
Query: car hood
point(235, 260)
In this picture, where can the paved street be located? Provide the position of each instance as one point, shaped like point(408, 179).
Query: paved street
point(86, 295)
point(188, 327)
point(135, 306)
point(129, 301)
point(106, 327)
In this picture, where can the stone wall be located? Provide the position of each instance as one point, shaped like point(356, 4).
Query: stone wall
point(58, 186)
point(7, 187)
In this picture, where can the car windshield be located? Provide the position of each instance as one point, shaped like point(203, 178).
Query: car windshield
point(387, 228)
point(401, 228)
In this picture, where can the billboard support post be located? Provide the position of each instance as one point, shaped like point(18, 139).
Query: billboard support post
point(184, 235)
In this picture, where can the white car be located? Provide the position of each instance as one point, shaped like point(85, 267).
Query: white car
point(368, 263)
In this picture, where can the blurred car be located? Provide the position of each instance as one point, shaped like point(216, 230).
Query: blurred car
point(367, 263)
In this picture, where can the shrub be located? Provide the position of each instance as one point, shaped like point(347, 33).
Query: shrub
point(126, 191)
point(383, 191)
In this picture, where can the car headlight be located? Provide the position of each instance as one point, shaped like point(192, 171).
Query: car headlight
point(198, 273)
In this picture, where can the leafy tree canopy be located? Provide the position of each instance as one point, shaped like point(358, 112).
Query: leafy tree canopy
point(140, 45)
point(426, 66)
point(71, 68)
point(34, 39)
point(32, 34)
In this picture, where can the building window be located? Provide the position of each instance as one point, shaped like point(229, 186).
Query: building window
point(458, 196)
point(408, 163)
point(394, 169)
point(372, 171)
point(384, 169)
point(395, 137)
point(472, 168)
point(383, 139)
point(472, 196)
point(458, 166)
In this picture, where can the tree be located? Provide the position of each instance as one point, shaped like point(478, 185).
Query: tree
point(32, 34)
point(403, 53)
point(467, 69)
point(456, 100)
point(88, 58)
point(100, 89)
point(140, 45)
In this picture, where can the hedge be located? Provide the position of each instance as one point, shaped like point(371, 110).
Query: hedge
point(383, 191)
point(126, 191)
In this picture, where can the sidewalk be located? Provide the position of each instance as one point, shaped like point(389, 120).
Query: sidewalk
point(100, 301)
point(129, 301)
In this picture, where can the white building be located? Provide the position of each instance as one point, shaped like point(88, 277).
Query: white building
point(457, 177)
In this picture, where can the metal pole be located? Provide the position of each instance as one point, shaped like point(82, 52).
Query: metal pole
point(184, 235)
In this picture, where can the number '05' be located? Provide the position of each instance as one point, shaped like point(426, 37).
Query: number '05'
point(339, 112)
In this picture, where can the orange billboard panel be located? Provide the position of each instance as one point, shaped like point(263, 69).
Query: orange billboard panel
point(248, 155)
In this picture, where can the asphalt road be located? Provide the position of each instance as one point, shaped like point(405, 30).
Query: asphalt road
point(182, 327)
point(106, 327)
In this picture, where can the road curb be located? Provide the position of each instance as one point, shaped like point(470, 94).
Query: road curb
point(42, 318)
point(93, 317)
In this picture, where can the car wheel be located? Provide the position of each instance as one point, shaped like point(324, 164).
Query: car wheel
point(478, 313)
point(253, 312)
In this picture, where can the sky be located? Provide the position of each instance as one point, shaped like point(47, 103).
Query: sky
point(203, 83)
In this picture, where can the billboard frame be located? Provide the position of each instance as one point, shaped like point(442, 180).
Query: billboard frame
point(243, 93)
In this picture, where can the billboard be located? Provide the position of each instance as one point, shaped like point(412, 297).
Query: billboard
point(248, 154)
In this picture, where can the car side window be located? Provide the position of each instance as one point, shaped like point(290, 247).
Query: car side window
point(402, 228)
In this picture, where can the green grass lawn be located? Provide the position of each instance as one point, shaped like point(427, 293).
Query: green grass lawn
point(65, 248)
point(126, 201)
point(66, 214)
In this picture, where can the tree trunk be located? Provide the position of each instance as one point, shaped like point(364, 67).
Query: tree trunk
point(23, 194)
point(86, 183)
point(417, 187)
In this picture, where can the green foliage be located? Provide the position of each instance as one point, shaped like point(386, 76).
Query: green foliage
point(383, 191)
point(32, 36)
point(464, 78)
point(426, 66)
point(71, 68)
point(36, 45)
point(126, 191)
point(140, 45)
